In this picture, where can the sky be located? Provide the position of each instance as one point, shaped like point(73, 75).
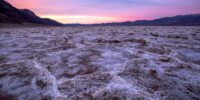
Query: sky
point(103, 11)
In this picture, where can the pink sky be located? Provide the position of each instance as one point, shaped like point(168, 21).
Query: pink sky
point(99, 11)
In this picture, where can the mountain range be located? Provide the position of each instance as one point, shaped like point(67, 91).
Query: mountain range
point(12, 15)
point(180, 20)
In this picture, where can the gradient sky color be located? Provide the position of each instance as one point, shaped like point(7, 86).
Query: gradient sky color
point(99, 11)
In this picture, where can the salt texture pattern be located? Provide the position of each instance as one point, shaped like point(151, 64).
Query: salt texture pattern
point(101, 63)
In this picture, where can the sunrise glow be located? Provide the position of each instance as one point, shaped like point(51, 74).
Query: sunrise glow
point(100, 11)
point(80, 18)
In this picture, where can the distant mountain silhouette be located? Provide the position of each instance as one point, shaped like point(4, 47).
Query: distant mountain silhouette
point(77, 24)
point(10, 14)
point(180, 20)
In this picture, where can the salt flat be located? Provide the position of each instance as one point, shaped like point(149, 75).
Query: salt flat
point(101, 63)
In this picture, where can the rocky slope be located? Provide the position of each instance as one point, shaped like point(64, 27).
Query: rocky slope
point(10, 14)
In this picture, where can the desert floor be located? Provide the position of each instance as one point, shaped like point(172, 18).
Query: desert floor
point(119, 63)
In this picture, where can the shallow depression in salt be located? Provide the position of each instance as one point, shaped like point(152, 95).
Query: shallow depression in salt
point(125, 63)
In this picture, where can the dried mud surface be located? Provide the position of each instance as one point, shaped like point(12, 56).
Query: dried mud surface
point(101, 63)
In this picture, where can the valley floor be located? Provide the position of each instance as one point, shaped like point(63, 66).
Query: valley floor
point(101, 63)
